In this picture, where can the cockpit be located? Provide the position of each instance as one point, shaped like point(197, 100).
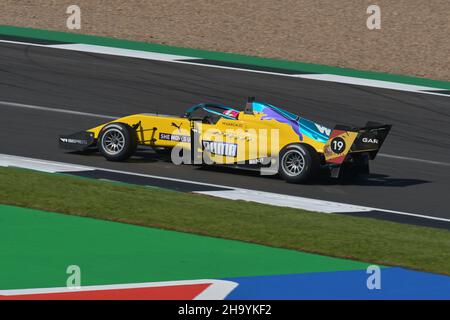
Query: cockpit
point(211, 113)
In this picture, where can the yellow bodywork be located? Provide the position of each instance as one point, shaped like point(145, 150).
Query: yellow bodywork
point(253, 137)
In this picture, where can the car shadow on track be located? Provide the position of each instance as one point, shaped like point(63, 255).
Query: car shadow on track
point(143, 156)
point(373, 180)
point(377, 180)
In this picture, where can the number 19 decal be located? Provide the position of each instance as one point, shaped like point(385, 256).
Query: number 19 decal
point(338, 145)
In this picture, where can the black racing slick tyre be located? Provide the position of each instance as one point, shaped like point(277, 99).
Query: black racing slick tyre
point(298, 163)
point(117, 141)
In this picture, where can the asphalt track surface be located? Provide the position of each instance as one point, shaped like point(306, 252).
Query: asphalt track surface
point(120, 86)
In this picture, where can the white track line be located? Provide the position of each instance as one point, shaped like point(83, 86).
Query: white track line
point(218, 289)
point(233, 192)
point(333, 78)
point(366, 82)
point(39, 165)
point(176, 59)
point(147, 55)
point(7, 160)
point(413, 159)
point(87, 114)
point(39, 108)
point(308, 204)
point(282, 200)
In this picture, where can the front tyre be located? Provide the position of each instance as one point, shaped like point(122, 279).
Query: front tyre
point(117, 141)
point(298, 163)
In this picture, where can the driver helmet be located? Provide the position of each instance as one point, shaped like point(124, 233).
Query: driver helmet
point(231, 113)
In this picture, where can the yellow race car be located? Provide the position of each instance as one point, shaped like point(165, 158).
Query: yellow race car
point(259, 135)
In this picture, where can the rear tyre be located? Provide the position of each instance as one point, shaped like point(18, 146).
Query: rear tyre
point(298, 163)
point(117, 141)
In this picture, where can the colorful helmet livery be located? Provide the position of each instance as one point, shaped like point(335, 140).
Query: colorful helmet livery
point(231, 113)
point(301, 126)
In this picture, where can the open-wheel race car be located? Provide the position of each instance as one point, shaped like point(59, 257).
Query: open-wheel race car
point(258, 135)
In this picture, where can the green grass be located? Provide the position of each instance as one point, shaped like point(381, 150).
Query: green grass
point(361, 239)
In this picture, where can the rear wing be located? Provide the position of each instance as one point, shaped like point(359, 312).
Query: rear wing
point(344, 140)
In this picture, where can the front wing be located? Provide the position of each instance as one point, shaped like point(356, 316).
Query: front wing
point(79, 141)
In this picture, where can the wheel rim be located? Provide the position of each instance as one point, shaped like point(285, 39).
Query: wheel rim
point(293, 163)
point(113, 141)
